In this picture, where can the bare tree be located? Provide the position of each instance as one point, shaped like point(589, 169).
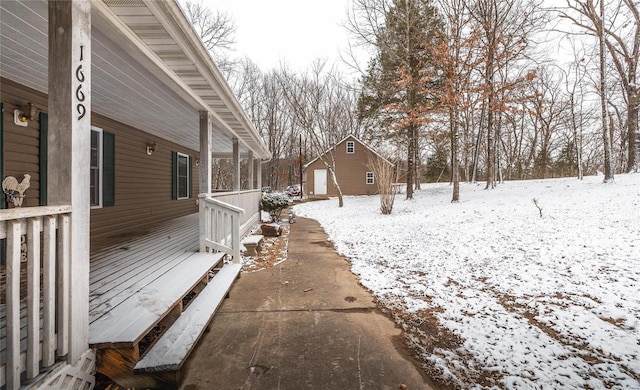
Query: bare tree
point(384, 175)
point(458, 59)
point(620, 34)
point(506, 28)
point(546, 106)
point(606, 136)
point(574, 81)
point(216, 30)
point(323, 107)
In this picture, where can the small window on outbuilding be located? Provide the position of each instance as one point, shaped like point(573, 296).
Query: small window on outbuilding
point(369, 178)
point(351, 147)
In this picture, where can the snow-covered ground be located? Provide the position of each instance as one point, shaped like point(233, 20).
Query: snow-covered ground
point(493, 294)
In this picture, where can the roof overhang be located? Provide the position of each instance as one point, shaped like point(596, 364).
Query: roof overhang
point(149, 70)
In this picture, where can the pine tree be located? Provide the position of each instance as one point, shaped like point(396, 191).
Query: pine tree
point(393, 100)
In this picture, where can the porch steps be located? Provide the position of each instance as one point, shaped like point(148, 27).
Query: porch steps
point(127, 323)
point(172, 349)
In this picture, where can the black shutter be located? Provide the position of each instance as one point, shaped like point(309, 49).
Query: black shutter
point(174, 175)
point(108, 169)
point(43, 157)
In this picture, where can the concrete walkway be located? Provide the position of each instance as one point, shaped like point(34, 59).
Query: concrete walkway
point(304, 324)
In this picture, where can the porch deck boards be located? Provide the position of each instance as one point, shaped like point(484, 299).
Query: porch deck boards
point(134, 284)
point(119, 272)
point(139, 280)
point(127, 323)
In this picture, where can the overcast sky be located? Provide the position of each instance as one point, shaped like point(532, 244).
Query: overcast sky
point(295, 32)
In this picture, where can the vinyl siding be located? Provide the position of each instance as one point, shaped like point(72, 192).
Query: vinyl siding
point(142, 182)
point(351, 171)
point(21, 144)
point(143, 185)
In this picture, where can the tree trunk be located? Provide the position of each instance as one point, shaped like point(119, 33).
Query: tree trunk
point(633, 164)
point(490, 88)
point(476, 153)
point(490, 145)
point(497, 151)
point(453, 120)
point(410, 164)
point(606, 137)
point(335, 183)
point(577, 141)
point(418, 164)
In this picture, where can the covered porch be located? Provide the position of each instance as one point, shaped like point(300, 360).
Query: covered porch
point(140, 288)
point(152, 295)
point(135, 73)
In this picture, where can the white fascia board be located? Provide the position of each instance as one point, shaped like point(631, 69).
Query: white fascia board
point(112, 26)
point(172, 17)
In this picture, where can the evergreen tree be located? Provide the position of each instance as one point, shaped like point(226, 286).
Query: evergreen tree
point(394, 100)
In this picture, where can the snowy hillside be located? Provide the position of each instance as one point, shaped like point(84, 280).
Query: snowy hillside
point(493, 294)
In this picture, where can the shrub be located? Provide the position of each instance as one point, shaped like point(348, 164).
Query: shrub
point(274, 204)
point(384, 175)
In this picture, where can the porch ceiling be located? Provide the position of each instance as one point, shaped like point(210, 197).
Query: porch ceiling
point(149, 70)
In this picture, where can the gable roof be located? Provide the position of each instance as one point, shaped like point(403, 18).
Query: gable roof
point(344, 140)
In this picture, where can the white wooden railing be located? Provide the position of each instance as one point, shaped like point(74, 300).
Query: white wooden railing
point(219, 227)
point(225, 217)
point(248, 201)
point(47, 269)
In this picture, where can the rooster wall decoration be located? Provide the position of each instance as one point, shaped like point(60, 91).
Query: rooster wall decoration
point(15, 190)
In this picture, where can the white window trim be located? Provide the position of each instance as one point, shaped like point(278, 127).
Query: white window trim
point(366, 178)
point(353, 147)
point(100, 167)
point(178, 155)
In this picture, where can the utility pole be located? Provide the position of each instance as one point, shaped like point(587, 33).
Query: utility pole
point(301, 191)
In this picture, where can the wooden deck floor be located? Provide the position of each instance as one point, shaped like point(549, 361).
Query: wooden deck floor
point(120, 271)
point(141, 283)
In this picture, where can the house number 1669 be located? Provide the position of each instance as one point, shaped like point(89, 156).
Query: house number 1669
point(82, 110)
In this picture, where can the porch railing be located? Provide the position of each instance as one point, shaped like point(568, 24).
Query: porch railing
point(225, 217)
point(41, 238)
point(219, 227)
point(248, 201)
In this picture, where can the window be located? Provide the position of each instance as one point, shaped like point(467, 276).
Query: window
point(369, 178)
point(351, 147)
point(102, 168)
point(181, 176)
point(96, 167)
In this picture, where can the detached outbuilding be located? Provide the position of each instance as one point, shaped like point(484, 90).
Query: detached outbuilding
point(353, 171)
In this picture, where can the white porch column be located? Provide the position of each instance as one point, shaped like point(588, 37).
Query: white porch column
point(69, 143)
point(259, 174)
point(205, 152)
point(250, 168)
point(236, 165)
